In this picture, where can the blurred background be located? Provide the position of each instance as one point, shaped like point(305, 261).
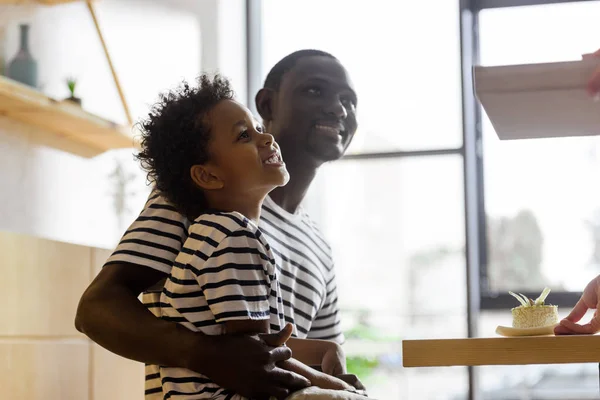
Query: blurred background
point(432, 218)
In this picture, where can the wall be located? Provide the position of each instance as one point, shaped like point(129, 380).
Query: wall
point(42, 356)
point(59, 213)
point(52, 194)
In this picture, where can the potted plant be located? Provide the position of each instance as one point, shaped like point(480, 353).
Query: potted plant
point(71, 83)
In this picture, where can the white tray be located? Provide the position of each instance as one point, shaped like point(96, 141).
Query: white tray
point(539, 100)
point(510, 331)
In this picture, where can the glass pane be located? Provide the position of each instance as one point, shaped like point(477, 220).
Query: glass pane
point(397, 230)
point(403, 58)
point(542, 196)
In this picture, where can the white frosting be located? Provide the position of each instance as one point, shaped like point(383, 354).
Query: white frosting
point(534, 316)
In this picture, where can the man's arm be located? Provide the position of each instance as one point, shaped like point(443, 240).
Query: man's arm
point(111, 314)
point(312, 351)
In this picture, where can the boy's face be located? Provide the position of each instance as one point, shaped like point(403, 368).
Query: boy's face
point(244, 160)
point(315, 109)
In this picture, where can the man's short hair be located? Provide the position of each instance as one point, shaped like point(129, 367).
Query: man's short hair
point(275, 75)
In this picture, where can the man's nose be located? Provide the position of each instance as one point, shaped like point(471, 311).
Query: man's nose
point(337, 109)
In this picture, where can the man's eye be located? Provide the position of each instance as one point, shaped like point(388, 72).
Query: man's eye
point(348, 102)
point(315, 91)
point(260, 129)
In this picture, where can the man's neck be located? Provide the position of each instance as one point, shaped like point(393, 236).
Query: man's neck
point(290, 196)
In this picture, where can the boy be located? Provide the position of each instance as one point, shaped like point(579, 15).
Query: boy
point(216, 168)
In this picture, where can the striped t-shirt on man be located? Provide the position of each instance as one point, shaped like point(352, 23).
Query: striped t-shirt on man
point(303, 258)
point(225, 271)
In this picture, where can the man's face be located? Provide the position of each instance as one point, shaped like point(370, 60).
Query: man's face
point(314, 111)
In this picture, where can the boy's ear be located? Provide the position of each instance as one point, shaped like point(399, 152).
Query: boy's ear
point(264, 104)
point(206, 177)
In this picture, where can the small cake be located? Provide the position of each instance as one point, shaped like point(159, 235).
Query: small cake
point(534, 313)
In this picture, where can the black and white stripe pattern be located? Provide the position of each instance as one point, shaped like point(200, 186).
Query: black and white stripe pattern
point(225, 271)
point(155, 237)
point(303, 258)
point(307, 275)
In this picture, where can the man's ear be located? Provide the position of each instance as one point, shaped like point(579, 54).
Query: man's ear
point(264, 104)
point(205, 177)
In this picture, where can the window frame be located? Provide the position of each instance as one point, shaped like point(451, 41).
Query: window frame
point(479, 297)
point(490, 300)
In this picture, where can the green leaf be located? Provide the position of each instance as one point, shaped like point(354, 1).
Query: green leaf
point(540, 300)
point(71, 83)
point(522, 300)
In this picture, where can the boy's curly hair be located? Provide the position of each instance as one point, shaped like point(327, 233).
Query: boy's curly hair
point(175, 137)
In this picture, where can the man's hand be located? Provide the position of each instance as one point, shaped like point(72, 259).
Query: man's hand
point(594, 82)
point(111, 315)
point(589, 300)
point(246, 366)
point(353, 380)
point(334, 360)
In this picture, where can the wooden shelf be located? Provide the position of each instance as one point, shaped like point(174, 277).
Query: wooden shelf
point(501, 351)
point(67, 125)
point(42, 2)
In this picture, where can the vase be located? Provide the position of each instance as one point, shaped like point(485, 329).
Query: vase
point(23, 68)
point(75, 100)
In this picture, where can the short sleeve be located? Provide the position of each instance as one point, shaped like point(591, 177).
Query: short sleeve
point(236, 278)
point(327, 323)
point(154, 239)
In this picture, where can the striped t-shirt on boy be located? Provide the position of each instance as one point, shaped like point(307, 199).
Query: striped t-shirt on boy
point(303, 258)
point(225, 271)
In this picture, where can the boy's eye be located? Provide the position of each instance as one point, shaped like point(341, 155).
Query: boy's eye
point(244, 135)
point(260, 129)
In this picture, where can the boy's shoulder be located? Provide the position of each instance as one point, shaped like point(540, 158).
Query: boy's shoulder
point(222, 224)
point(222, 230)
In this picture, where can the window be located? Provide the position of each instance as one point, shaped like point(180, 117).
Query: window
point(542, 197)
point(542, 200)
point(394, 52)
point(399, 250)
point(401, 257)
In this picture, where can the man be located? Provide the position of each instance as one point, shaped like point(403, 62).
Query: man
point(309, 105)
